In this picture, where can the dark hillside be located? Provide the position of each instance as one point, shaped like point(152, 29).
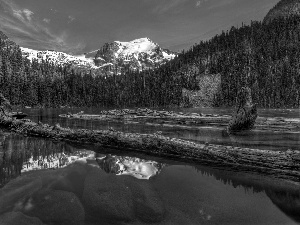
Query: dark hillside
point(285, 9)
point(263, 56)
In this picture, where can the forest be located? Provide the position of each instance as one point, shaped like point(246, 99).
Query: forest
point(262, 56)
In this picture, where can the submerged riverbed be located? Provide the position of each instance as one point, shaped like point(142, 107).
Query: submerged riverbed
point(105, 186)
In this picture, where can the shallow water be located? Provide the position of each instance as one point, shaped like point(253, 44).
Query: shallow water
point(40, 179)
point(214, 135)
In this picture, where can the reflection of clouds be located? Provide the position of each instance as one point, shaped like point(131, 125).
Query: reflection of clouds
point(139, 168)
point(58, 160)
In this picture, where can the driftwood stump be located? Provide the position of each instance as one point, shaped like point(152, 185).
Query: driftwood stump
point(246, 113)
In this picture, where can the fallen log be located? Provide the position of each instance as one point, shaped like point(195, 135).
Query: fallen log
point(279, 164)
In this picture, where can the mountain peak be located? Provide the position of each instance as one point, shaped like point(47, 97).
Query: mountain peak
point(138, 54)
point(284, 8)
point(145, 39)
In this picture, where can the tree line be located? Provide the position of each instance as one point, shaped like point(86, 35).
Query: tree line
point(47, 85)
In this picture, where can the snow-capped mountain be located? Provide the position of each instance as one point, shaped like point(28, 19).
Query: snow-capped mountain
point(58, 58)
point(138, 54)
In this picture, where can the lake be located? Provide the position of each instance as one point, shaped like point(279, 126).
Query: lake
point(46, 182)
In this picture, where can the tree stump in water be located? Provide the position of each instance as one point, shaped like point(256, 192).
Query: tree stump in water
point(243, 120)
point(246, 114)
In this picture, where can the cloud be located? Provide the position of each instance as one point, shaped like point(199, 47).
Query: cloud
point(168, 5)
point(28, 14)
point(21, 26)
point(200, 2)
point(218, 4)
point(23, 14)
point(46, 20)
point(53, 10)
point(71, 19)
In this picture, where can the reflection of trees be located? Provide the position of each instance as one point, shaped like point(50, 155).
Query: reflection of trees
point(230, 178)
point(287, 202)
point(21, 154)
point(11, 162)
point(285, 197)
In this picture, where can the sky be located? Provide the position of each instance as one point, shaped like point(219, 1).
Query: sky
point(80, 26)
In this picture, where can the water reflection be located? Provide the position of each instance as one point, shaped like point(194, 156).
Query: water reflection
point(24, 154)
point(286, 197)
point(287, 202)
point(124, 165)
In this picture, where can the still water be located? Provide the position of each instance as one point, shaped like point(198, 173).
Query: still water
point(46, 182)
point(214, 135)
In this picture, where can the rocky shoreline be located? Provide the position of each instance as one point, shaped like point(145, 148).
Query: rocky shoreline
point(278, 164)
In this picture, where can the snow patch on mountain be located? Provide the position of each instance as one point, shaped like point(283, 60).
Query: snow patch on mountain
point(139, 46)
point(136, 46)
point(58, 58)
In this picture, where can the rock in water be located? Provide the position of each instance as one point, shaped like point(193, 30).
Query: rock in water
point(55, 207)
point(18, 218)
point(17, 190)
point(105, 197)
point(113, 198)
point(148, 206)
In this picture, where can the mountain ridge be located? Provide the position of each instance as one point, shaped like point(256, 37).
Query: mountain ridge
point(138, 54)
point(284, 8)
